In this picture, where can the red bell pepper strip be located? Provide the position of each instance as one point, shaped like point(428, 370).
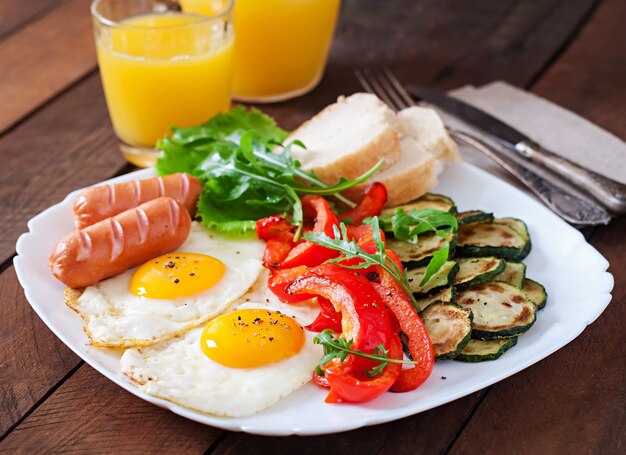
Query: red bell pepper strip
point(420, 345)
point(329, 318)
point(308, 253)
point(278, 234)
point(276, 251)
point(362, 234)
point(350, 388)
point(364, 319)
point(374, 199)
point(280, 279)
point(275, 227)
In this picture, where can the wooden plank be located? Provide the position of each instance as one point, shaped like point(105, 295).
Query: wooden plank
point(522, 42)
point(64, 147)
point(589, 78)
point(16, 13)
point(416, 434)
point(43, 58)
point(573, 401)
point(32, 358)
point(90, 414)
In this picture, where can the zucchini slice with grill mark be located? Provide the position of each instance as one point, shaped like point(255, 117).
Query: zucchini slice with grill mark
point(500, 310)
point(441, 279)
point(449, 327)
point(473, 216)
point(427, 201)
point(480, 350)
point(515, 223)
point(535, 292)
point(477, 270)
point(513, 273)
point(416, 255)
point(492, 239)
point(446, 295)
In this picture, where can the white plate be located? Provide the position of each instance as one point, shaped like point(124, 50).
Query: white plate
point(573, 272)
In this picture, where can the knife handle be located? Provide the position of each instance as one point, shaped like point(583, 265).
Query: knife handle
point(571, 208)
point(608, 192)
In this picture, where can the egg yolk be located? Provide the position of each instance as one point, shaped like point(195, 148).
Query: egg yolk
point(176, 275)
point(251, 338)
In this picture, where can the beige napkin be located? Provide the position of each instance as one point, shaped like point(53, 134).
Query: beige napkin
point(552, 126)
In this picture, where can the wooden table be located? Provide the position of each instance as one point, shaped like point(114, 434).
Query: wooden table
point(55, 136)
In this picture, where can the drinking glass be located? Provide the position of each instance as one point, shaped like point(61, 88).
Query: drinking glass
point(161, 67)
point(281, 46)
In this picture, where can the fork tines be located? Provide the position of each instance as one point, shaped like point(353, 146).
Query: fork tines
point(383, 84)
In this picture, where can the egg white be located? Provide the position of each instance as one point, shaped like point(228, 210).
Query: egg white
point(114, 317)
point(177, 370)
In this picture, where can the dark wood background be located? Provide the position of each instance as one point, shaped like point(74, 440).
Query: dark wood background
point(55, 136)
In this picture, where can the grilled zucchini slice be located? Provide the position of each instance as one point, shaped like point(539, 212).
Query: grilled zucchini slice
point(427, 201)
point(513, 273)
point(492, 239)
point(500, 310)
point(477, 270)
point(416, 255)
point(442, 279)
point(535, 292)
point(473, 216)
point(449, 327)
point(480, 350)
point(445, 295)
point(515, 223)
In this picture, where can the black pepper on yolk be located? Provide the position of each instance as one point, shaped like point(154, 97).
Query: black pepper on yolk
point(176, 275)
point(249, 338)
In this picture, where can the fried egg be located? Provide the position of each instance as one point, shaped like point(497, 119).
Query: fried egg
point(171, 294)
point(236, 365)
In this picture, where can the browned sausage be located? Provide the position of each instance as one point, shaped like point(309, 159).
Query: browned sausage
point(101, 202)
point(111, 246)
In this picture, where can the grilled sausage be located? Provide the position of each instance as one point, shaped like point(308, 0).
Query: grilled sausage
point(101, 202)
point(111, 246)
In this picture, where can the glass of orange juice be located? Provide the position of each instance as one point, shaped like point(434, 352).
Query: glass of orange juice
point(281, 46)
point(161, 67)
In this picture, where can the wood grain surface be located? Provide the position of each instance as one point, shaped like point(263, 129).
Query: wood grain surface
point(66, 146)
point(62, 140)
point(90, 414)
point(37, 358)
point(44, 58)
point(15, 14)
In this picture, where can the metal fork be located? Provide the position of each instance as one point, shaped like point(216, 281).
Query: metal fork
point(564, 200)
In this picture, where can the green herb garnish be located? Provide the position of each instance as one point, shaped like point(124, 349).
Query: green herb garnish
point(339, 348)
point(350, 250)
point(247, 173)
point(409, 226)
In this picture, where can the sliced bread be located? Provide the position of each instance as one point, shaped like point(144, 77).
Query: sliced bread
point(348, 137)
point(414, 174)
point(425, 148)
point(426, 126)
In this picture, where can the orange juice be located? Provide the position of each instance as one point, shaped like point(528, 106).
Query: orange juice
point(281, 46)
point(162, 70)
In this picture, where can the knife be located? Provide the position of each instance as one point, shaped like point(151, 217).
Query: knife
point(608, 192)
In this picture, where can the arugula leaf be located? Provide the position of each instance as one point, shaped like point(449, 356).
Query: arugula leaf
point(350, 249)
point(339, 348)
point(247, 172)
point(409, 226)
